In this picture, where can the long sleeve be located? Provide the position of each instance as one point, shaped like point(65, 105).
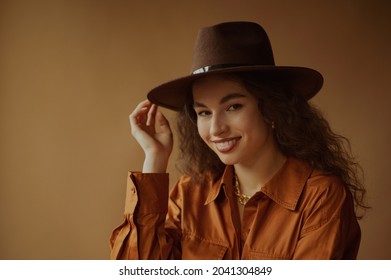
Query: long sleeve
point(144, 233)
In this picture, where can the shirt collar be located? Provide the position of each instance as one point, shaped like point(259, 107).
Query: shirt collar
point(284, 188)
point(226, 180)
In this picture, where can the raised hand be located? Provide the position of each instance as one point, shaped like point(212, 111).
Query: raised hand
point(152, 131)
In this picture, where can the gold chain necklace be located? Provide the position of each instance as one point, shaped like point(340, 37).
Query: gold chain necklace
point(241, 197)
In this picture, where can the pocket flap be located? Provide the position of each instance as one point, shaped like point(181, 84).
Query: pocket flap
point(198, 248)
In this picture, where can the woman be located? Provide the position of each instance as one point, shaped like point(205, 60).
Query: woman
point(264, 176)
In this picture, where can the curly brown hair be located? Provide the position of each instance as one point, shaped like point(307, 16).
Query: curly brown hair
point(300, 131)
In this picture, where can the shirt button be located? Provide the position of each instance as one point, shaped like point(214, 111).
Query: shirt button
point(133, 190)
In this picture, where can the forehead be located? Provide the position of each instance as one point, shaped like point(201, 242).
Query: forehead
point(217, 86)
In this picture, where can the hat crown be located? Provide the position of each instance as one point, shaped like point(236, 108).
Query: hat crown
point(232, 44)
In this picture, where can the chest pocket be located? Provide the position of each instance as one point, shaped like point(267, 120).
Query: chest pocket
point(198, 248)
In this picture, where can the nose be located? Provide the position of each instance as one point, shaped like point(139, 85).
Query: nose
point(217, 126)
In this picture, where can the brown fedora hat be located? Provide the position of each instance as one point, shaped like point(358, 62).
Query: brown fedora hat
point(234, 47)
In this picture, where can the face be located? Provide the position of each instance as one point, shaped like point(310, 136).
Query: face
point(229, 120)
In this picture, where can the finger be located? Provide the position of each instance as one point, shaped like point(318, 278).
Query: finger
point(163, 122)
point(138, 118)
point(152, 116)
point(144, 103)
point(138, 115)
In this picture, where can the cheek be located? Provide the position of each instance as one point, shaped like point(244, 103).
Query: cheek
point(203, 130)
point(256, 127)
point(262, 132)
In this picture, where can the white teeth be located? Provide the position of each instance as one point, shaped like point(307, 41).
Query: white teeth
point(226, 144)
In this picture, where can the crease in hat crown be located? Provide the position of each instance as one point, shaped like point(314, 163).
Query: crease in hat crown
point(231, 47)
point(232, 44)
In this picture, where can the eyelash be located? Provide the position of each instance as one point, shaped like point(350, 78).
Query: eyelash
point(235, 107)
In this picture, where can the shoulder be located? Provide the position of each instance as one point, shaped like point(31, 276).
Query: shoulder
point(326, 194)
point(326, 200)
point(326, 184)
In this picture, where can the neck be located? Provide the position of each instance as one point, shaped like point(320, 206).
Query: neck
point(254, 176)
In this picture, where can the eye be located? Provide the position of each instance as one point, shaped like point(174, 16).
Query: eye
point(234, 107)
point(203, 113)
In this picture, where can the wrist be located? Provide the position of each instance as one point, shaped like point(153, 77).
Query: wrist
point(155, 164)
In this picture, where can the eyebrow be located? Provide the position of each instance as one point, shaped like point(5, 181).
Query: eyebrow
point(223, 100)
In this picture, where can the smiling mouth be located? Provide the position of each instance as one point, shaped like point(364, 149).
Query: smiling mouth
point(226, 145)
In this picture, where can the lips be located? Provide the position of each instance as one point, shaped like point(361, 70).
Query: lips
point(226, 145)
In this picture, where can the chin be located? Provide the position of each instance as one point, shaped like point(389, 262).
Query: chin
point(228, 160)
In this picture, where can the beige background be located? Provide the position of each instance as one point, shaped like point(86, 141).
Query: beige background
point(71, 71)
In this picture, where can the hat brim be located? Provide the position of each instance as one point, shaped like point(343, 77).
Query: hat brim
point(304, 81)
